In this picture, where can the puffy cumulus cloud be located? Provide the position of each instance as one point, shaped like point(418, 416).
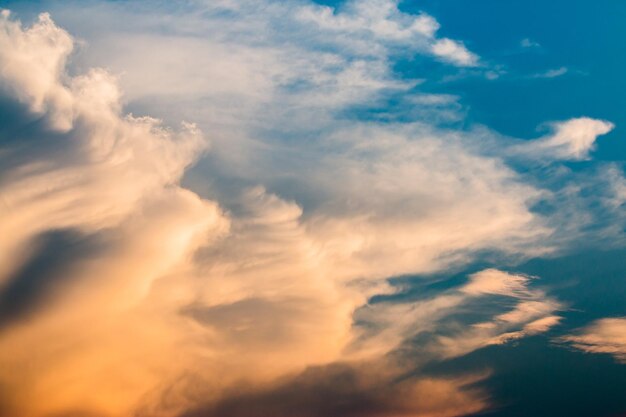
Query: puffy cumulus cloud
point(379, 17)
point(92, 214)
point(602, 336)
point(99, 248)
point(571, 140)
point(32, 63)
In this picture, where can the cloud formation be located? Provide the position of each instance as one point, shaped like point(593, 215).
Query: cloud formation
point(602, 336)
point(80, 177)
point(573, 139)
point(454, 52)
point(138, 295)
point(385, 23)
point(387, 325)
point(553, 73)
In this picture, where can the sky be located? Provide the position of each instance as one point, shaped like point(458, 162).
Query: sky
point(356, 208)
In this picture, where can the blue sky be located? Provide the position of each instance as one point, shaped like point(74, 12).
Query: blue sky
point(363, 208)
point(524, 40)
point(573, 35)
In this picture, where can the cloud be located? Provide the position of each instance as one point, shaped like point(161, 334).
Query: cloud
point(454, 52)
point(380, 17)
point(573, 139)
point(602, 336)
point(387, 325)
point(553, 73)
point(92, 216)
point(385, 22)
point(298, 54)
point(141, 295)
point(33, 62)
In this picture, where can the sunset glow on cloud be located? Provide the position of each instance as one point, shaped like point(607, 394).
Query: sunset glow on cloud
point(290, 209)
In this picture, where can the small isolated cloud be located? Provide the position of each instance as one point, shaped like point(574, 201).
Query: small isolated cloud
point(602, 336)
point(534, 312)
point(553, 73)
point(454, 52)
point(573, 139)
point(528, 43)
point(381, 23)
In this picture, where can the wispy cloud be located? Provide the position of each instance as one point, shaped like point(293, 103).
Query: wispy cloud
point(572, 139)
point(454, 52)
point(386, 24)
point(602, 336)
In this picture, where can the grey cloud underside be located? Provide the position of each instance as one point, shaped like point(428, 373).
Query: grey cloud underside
point(331, 391)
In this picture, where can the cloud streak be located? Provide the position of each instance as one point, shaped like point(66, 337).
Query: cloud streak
point(602, 336)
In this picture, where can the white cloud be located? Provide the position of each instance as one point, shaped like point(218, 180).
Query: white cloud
point(454, 52)
point(534, 313)
point(33, 60)
point(573, 139)
point(379, 17)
